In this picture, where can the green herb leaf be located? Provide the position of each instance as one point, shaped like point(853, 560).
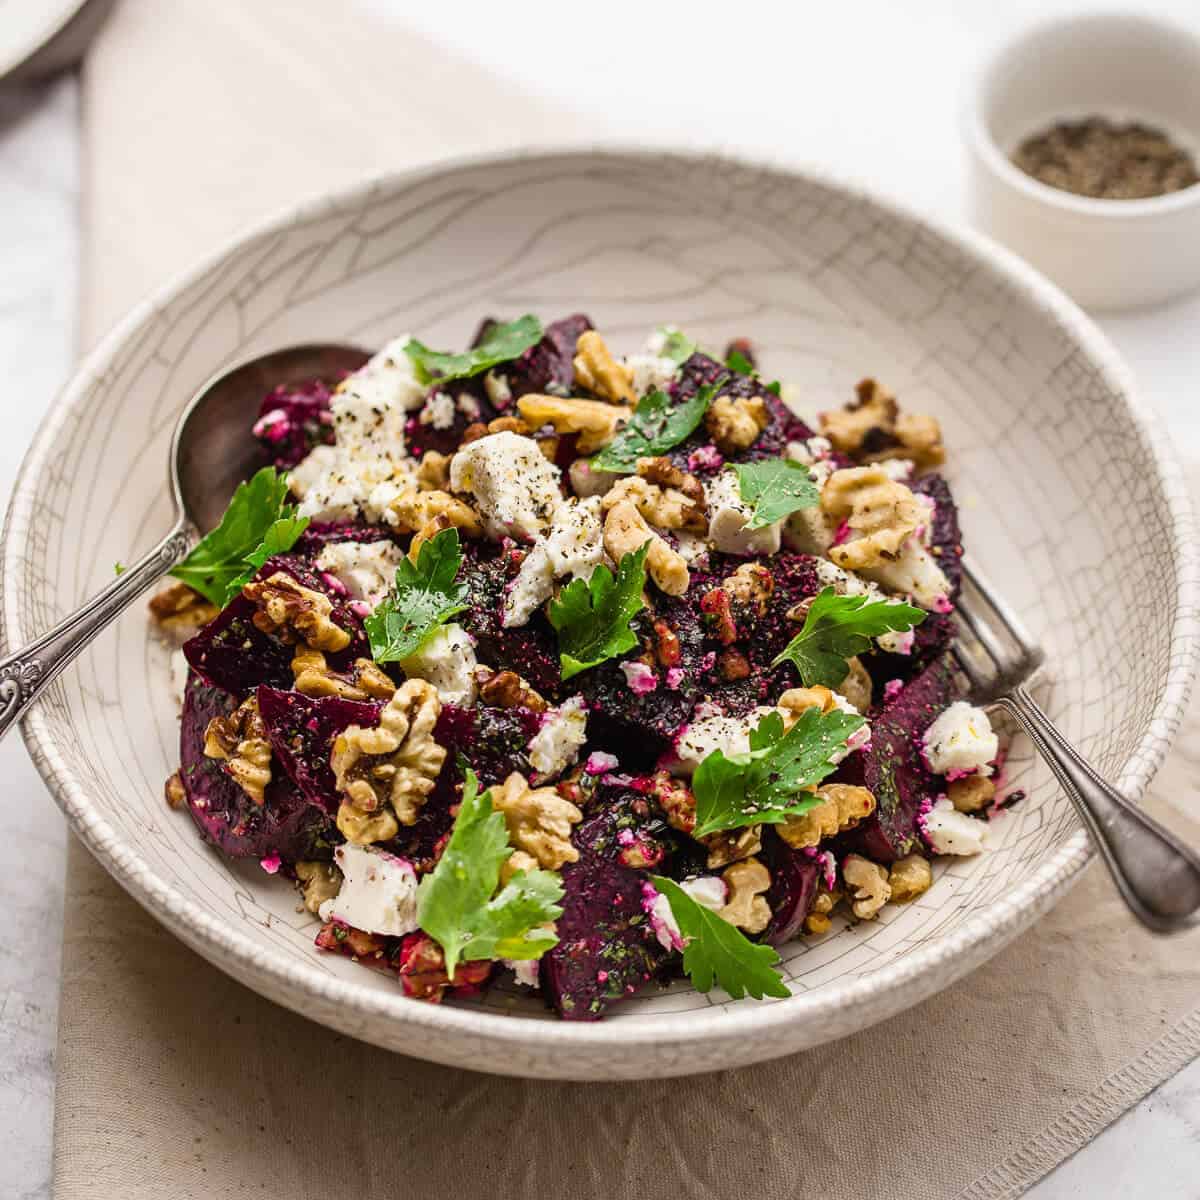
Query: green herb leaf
point(457, 904)
point(678, 347)
point(738, 362)
point(839, 627)
point(766, 784)
point(777, 487)
point(775, 387)
point(716, 951)
point(657, 424)
point(593, 617)
point(258, 523)
point(501, 343)
point(119, 568)
point(423, 597)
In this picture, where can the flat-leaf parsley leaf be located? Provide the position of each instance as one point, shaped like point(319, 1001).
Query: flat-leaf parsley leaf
point(766, 783)
point(258, 523)
point(593, 616)
point(501, 344)
point(457, 902)
point(776, 487)
point(423, 597)
point(657, 424)
point(716, 951)
point(676, 346)
point(839, 627)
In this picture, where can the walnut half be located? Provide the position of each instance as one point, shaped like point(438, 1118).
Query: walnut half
point(881, 513)
point(625, 532)
point(539, 821)
point(392, 765)
point(595, 422)
point(746, 907)
point(294, 612)
point(314, 677)
point(734, 422)
point(597, 370)
point(240, 741)
point(841, 807)
point(868, 882)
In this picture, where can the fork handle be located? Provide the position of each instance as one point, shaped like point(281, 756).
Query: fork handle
point(1157, 875)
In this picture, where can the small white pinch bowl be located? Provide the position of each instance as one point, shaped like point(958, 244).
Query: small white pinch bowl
point(832, 284)
point(1106, 254)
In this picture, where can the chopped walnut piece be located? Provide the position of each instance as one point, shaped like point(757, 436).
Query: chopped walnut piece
point(516, 862)
point(414, 510)
point(314, 677)
point(506, 689)
point(509, 424)
point(668, 652)
point(909, 878)
point(422, 970)
point(667, 508)
point(920, 438)
point(868, 882)
point(539, 820)
point(675, 798)
point(598, 372)
point(364, 828)
point(857, 686)
point(318, 882)
point(625, 532)
point(841, 807)
point(750, 588)
point(732, 845)
point(817, 922)
point(294, 612)
point(746, 907)
point(795, 701)
point(972, 793)
point(595, 422)
point(181, 610)
point(679, 486)
point(734, 422)
point(427, 531)
point(433, 474)
point(872, 428)
point(881, 512)
point(392, 764)
point(174, 791)
point(240, 741)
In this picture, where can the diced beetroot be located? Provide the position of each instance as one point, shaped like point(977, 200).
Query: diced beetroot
point(292, 420)
point(946, 537)
point(471, 406)
point(320, 534)
point(607, 949)
point(549, 366)
point(794, 879)
point(301, 730)
point(893, 770)
point(231, 653)
point(286, 824)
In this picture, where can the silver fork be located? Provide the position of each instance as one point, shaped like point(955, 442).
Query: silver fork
point(1158, 876)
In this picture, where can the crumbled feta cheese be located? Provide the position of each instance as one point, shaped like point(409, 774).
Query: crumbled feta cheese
point(309, 469)
point(438, 411)
point(709, 891)
point(387, 380)
point(656, 343)
point(650, 373)
point(914, 572)
point(587, 481)
point(574, 546)
point(600, 763)
point(728, 515)
point(515, 488)
point(447, 660)
point(498, 390)
point(730, 735)
point(639, 678)
point(558, 740)
point(899, 469)
point(811, 530)
point(961, 741)
point(365, 569)
point(950, 832)
point(378, 892)
point(811, 451)
point(525, 971)
point(662, 920)
point(847, 583)
point(692, 546)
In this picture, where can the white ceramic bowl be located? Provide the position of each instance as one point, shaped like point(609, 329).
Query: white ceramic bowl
point(1105, 253)
point(1069, 500)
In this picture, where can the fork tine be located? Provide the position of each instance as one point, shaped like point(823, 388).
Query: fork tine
point(980, 683)
point(1016, 630)
point(984, 634)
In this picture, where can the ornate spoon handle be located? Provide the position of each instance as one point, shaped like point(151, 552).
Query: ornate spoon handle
point(25, 672)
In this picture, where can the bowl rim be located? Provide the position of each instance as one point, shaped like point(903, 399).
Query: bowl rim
point(981, 140)
point(723, 1030)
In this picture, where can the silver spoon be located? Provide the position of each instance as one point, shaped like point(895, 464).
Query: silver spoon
point(211, 453)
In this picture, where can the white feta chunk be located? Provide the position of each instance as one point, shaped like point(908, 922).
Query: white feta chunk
point(498, 389)
point(378, 892)
point(728, 516)
point(810, 530)
point(650, 372)
point(961, 741)
point(709, 891)
point(949, 831)
point(447, 660)
point(388, 379)
point(914, 572)
point(310, 468)
point(525, 970)
point(662, 920)
point(730, 735)
point(365, 569)
point(438, 411)
point(515, 488)
point(557, 743)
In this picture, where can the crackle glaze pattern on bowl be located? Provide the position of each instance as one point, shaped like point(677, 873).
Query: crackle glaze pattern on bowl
point(1068, 498)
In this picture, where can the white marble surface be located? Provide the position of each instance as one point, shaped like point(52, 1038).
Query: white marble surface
point(869, 89)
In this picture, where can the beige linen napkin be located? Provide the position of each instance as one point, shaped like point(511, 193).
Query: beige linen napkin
point(175, 1081)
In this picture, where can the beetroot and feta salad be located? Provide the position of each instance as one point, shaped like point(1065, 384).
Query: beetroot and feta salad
point(595, 670)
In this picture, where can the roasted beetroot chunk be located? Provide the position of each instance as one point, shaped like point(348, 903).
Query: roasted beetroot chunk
point(946, 537)
point(291, 421)
point(794, 879)
point(438, 426)
point(892, 768)
point(320, 534)
point(606, 948)
point(548, 366)
point(301, 730)
point(286, 824)
point(232, 653)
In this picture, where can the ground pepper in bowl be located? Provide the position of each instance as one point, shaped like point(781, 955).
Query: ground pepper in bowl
point(1107, 161)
